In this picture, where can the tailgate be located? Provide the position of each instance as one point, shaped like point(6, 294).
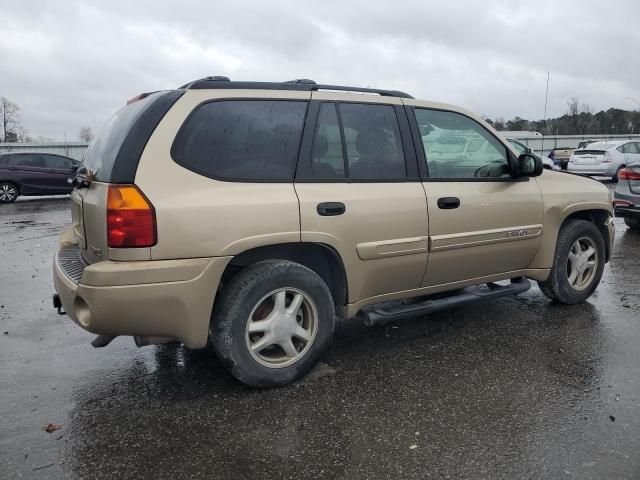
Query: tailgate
point(94, 220)
point(77, 219)
point(588, 157)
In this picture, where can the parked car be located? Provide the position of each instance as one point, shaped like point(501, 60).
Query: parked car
point(605, 159)
point(626, 198)
point(562, 155)
point(35, 174)
point(522, 148)
point(251, 214)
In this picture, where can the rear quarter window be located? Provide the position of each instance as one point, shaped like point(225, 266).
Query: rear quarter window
point(242, 139)
point(114, 154)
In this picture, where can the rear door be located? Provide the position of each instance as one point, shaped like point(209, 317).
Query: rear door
point(32, 173)
point(360, 193)
point(481, 221)
point(61, 170)
point(630, 152)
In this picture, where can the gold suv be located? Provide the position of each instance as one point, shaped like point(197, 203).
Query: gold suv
point(250, 215)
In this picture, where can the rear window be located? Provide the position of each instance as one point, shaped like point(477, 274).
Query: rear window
point(599, 146)
point(242, 139)
point(589, 152)
point(101, 155)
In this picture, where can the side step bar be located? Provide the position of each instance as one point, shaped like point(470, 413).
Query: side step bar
point(393, 311)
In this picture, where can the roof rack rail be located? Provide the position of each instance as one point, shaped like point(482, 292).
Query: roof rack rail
point(300, 84)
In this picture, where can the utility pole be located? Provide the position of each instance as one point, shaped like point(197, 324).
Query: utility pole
point(544, 124)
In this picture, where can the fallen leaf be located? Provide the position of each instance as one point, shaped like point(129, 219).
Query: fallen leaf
point(52, 427)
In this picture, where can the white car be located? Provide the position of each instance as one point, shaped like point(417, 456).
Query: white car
point(604, 159)
point(547, 163)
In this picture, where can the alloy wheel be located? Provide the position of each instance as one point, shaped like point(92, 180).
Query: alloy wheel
point(281, 328)
point(8, 192)
point(582, 263)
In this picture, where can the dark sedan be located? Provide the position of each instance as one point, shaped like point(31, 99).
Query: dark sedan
point(626, 198)
point(35, 174)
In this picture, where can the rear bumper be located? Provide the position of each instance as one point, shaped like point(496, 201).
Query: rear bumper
point(166, 298)
point(627, 212)
point(605, 170)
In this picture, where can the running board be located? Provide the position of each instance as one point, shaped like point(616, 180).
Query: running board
point(394, 311)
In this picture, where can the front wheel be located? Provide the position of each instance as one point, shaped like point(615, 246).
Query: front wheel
point(8, 192)
point(272, 323)
point(577, 265)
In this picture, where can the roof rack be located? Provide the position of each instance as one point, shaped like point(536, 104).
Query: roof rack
point(299, 84)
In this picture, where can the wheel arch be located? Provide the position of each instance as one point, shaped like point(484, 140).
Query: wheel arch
point(319, 257)
point(599, 218)
point(594, 212)
point(12, 182)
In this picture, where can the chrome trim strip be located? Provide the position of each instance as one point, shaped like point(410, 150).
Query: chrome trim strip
point(439, 243)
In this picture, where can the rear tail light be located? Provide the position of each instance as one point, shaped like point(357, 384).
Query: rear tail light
point(628, 174)
point(607, 157)
point(131, 219)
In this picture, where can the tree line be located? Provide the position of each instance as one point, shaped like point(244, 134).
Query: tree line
point(578, 120)
point(11, 129)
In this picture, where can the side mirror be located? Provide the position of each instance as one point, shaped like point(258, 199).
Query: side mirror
point(527, 165)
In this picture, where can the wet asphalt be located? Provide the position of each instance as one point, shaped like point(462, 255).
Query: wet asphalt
point(516, 388)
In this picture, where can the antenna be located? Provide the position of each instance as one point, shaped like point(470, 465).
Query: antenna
point(546, 99)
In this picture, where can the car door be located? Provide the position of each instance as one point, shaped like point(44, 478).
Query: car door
point(631, 153)
point(482, 222)
point(360, 193)
point(60, 170)
point(31, 173)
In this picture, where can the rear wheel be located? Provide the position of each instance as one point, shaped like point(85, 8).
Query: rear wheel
point(578, 263)
point(615, 176)
point(8, 192)
point(632, 223)
point(272, 322)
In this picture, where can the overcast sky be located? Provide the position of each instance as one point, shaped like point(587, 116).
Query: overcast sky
point(69, 64)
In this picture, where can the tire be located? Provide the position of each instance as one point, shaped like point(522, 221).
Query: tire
point(615, 177)
point(632, 223)
point(576, 237)
point(253, 296)
point(8, 192)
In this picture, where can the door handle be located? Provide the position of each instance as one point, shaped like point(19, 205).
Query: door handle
point(331, 209)
point(448, 203)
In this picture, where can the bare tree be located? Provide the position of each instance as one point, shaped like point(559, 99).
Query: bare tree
point(586, 118)
point(85, 135)
point(10, 119)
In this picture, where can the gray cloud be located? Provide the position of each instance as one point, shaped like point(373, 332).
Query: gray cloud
point(68, 64)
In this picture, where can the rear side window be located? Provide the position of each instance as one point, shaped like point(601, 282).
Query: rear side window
point(628, 148)
point(101, 155)
point(365, 144)
point(29, 160)
point(242, 139)
point(374, 145)
point(59, 163)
